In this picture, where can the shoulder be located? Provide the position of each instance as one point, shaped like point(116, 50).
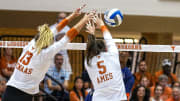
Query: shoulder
point(86, 93)
point(152, 88)
point(147, 74)
point(136, 74)
point(72, 93)
point(151, 99)
point(170, 99)
point(63, 71)
point(168, 89)
point(126, 69)
point(158, 73)
point(3, 58)
point(51, 69)
point(174, 76)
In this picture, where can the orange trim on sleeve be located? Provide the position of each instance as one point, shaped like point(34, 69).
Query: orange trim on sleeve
point(104, 28)
point(61, 25)
point(72, 33)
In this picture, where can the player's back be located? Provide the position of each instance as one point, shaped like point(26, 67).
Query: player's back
point(105, 71)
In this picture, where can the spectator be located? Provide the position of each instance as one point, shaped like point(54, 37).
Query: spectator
point(166, 70)
point(128, 78)
point(78, 93)
point(175, 94)
point(58, 36)
point(87, 81)
point(145, 81)
point(140, 93)
point(176, 84)
point(142, 72)
point(7, 63)
point(167, 92)
point(2, 86)
point(58, 74)
point(158, 91)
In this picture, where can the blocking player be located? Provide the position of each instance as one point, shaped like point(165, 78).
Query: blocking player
point(35, 59)
point(102, 64)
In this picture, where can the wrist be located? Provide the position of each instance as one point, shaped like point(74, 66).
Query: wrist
point(102, 24)
point(103, 28)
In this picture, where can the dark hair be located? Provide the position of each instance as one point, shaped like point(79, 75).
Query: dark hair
point(142, 61)
point(58, 54)
point(134, 96)
point(157, 86)
point(82, 90)
point(94, 47)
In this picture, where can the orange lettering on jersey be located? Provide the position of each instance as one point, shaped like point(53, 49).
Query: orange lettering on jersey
point(107, 77)
point(23, 69)
point(110, 76)
point(18, 66)
point(101, 67)
point(30, 71)
point(98, 80)
point(104, 77)
point(26, 70)
point(26, 58)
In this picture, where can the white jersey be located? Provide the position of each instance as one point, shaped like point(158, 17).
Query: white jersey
point(105, 73)
point(31, 67)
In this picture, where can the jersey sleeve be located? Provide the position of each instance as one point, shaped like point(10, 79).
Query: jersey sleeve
point(110, 44)
point(57, 46)
point(58, 27)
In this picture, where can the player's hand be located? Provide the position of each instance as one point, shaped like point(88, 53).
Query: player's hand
point(89, 16)
point(77, 12)
point(90, 27)
point(98, 20)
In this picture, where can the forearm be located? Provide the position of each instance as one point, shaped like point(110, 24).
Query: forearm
point(106, 33)
point(70, 17)
point(50, 86)
point(62, 24)
point(65, 84)
point(80, 24)
point(110, 44)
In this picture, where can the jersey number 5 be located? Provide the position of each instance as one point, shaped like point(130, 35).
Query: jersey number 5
point(102, 67)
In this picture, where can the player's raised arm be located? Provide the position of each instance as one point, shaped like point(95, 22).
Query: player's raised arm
point(110, 44)
point(69, 18)
point(69, 35)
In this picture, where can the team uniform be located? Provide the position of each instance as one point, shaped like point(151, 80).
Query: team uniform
point(32, 67)
point(105, 72)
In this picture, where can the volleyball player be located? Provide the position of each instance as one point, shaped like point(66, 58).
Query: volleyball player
point(35, 59)
point(102, 64)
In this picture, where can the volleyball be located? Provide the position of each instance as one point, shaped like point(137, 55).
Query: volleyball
point(113, 17)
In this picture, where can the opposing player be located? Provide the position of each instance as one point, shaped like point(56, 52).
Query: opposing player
point(102, 64)
point(35, 59)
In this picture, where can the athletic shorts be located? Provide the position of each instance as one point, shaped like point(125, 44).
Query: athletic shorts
point(14, 94)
